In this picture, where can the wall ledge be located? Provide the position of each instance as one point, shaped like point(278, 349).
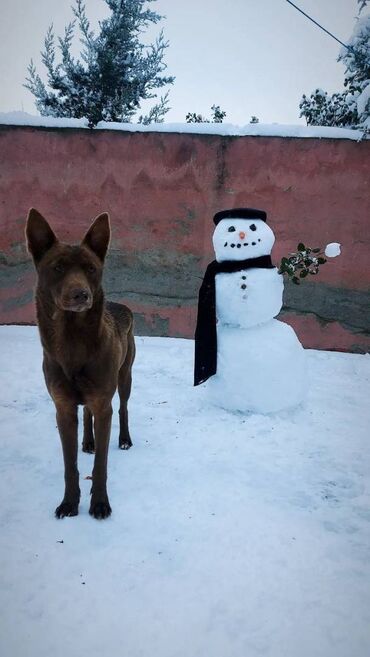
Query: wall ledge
point(222, 129)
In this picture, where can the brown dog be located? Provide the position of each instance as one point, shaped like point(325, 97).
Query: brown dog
point(88, 350)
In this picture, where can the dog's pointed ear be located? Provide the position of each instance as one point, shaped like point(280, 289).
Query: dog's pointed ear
point(40, 237)
point(98, 236)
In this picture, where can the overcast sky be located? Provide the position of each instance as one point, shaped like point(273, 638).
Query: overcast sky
point(248, 56)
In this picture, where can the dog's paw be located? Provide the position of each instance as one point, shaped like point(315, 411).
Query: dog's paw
point(66, 509)
point(88, 447)
point(100, 510)
point(125, 443)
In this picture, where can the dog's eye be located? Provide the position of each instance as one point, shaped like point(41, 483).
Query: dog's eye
point(59, 268)
point(231, 229)
point(91, 269)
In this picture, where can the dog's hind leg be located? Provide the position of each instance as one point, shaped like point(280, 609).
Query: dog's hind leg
point(88, 443)
point(124, 390)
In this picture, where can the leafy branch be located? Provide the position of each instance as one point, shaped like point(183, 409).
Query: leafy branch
point(305, 261)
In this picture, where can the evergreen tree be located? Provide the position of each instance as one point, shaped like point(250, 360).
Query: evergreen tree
point(116, 71)
point(351, 107)
point(217, 116)
point(192, 117)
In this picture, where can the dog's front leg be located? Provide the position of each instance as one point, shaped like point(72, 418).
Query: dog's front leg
point(67, 424)
point(100, 507)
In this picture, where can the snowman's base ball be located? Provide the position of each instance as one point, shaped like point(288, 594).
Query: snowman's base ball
point(259, 369)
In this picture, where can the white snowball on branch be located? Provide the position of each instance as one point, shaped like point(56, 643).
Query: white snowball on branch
point(332, 250)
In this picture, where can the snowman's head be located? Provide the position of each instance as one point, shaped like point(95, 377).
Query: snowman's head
point(241, 238)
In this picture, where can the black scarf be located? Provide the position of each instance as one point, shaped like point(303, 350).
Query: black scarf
point(206, 334)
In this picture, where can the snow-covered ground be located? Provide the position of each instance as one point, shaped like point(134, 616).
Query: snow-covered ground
point(250, 129)
point(231, 535)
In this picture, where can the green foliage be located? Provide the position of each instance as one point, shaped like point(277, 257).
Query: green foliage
point(304, 262)
point(350, 107)
point(115, 73)
point(192, 117)
point(217, 116)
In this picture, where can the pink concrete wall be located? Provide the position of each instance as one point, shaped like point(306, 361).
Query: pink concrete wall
point(162, 189)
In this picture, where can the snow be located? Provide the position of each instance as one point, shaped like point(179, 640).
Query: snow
point(231, 535)
point(363, 101)
point(250, 129)
point(252, 365)
point(359, 36)
point(249, 297)
point(332, 250)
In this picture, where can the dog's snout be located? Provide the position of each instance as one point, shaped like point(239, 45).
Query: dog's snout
point(80, 295)
point(76, 299)
point(75, 294)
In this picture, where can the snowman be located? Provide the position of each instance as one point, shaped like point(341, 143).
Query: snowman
point(252, 361)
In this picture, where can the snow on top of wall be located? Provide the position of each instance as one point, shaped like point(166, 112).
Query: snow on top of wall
point(250, 129)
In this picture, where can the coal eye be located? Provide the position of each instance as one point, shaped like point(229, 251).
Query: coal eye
point(253, 227)
point(59, 268)
point(231, 229)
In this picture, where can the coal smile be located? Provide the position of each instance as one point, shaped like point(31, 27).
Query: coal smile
point(238, 246)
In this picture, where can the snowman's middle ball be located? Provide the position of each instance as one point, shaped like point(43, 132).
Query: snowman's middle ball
point(241, 239)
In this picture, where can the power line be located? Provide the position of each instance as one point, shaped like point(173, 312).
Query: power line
point(318, 25)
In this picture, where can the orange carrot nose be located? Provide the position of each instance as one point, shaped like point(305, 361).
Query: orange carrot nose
point(241, 235)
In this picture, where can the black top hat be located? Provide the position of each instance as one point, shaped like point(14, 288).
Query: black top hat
point(239, 213)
